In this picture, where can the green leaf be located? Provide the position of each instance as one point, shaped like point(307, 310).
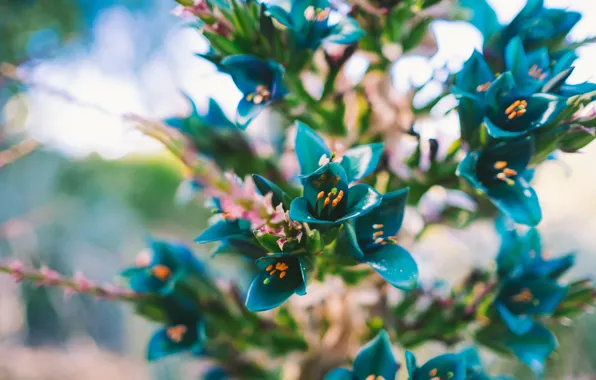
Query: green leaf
point(416, 34)
point(314, 242)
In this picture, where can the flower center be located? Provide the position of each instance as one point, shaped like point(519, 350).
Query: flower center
point(505, 174)
point(161, 272)
point(280, 266)
point(483, 87)
point(316, 14)
point(525, 295)
point(333, 197)
point(377, 236)
point(536, 72)
point(176, 333)
point(433, 375)
point(516, 109)
point(261, 94)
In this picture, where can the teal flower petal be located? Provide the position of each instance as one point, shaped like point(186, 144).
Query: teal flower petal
point(299, 212)
point(533, 347)
point(448, 366)
point(395, 265)
point(387, 217)
point(248, 72)
point(280, 15)
point(282, 275)
point(347, 243)
point(471, 115)
point(361, 161)
point(310, 147)
point(517, 324)
point(345, 32)
point(362, 199)
point(222, 230)
point(247, 111)
point(279, 196)
point(484, 17)
point(557, 81)
point(518, 201)
point(339, 374)
point(376, 358)
point(411, 364)
point(475, 73)
point(568, 90)
point(517, 63)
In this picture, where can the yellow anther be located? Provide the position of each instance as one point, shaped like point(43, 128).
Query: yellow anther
point(176, 333)
point(269, 267)
point(323, 14)
point(502, 176)
point(320, 195)
point(524, 296)
point(483, 87)
point(509, 172)
point(377, 226)
point(162, 272)
point(500, 165)
point(379, 240)
point(327, 200)
point(436, 378)
point(536, 72)
point(433, 372)
point(282, 275)
point(377, 234)
point(272, 272)
point(513, 106)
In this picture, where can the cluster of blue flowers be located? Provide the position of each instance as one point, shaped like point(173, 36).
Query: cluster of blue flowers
point(525, 109)
point(515, 108)
point(376, 361)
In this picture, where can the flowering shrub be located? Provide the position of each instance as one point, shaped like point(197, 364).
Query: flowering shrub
point(337, 209)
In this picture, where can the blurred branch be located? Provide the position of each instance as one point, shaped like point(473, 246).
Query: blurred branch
point(77, 284)
point(17, 151)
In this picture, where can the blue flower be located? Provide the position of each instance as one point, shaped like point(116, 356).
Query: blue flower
point(448, 366)
point(158, 270)
point(375, 361)
point(523, 254)
point(538, 26)
point(535, 25)
point(312, 153)
point(512, 111)
point(499, 172)
point(261, 83)
point(521, 299)
point(370, 239)
point(538, 71)
point(327, 199)
point(184, 332)
point(282, 275)
point(307, 22)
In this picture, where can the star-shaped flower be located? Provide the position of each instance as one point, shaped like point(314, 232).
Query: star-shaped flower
point(443, 367)
point(328, 199)
point(370, 239)
point(498, 171)
point(282, 275)
point(313, 153)
point(308, 23)
point(260, 81)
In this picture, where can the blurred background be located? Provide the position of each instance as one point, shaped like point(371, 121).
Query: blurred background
point(86, 200)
